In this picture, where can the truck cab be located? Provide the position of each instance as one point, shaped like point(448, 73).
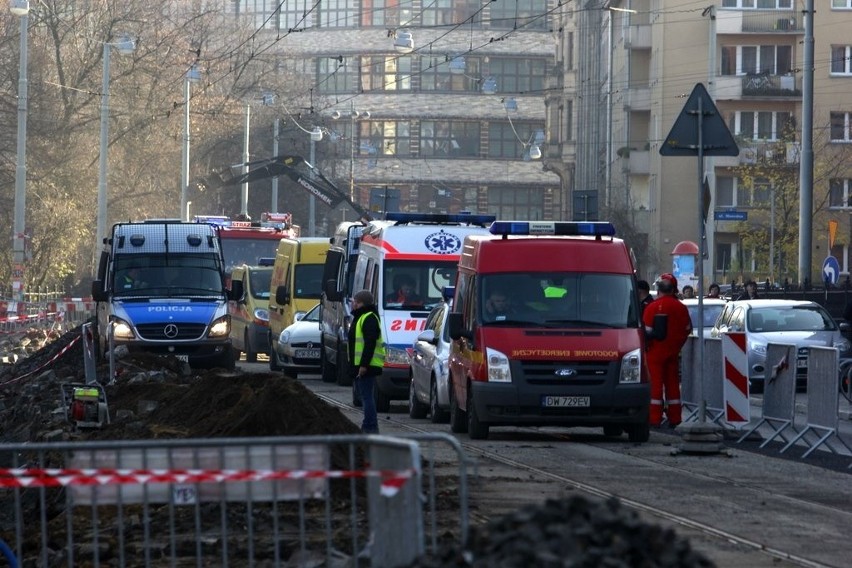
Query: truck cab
point(161, 289)
point(546, 331)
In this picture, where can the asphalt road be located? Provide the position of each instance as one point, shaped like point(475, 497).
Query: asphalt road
point(739, 505)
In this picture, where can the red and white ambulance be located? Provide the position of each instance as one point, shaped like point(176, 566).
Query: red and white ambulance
point(547, 331)
point(418, 252)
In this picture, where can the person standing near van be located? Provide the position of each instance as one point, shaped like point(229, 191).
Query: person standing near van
point(366, 355)
point(663, 353)
point(643, 289)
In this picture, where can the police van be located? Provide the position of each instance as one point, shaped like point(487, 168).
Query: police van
point(405, 261)
point(547, 331)
point(160, 288)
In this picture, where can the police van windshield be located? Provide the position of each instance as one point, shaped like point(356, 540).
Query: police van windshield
point(416, 284)
point(558, 299)
point(188, 275)
point(246, 251)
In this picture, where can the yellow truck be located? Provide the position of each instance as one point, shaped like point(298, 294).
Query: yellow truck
point(296, 285)
point(250, 311)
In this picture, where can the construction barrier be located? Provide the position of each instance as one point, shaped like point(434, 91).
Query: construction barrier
point(735, 384)
point(779, 393)
point(311, 500)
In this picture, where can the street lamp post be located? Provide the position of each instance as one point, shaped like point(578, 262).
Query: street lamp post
point(20, 8)
point(316, 136)
point(191, 77)
point(353, 116)
point(126, 45)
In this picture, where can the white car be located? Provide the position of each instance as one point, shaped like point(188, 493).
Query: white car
point(298, 347)
point(428, 390)
point(712, 308)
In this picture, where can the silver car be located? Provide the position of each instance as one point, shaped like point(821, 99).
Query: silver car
point(298, 347)
point(428, 392)
point(800, 323)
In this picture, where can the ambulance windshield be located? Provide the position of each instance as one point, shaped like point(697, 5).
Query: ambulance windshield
point(559, 299)
point(416, 284)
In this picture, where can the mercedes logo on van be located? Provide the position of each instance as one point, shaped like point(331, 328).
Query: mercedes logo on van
point(443, 242)
point(564, 372)
point(170, 331)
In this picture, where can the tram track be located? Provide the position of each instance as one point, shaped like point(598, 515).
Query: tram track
point(773, 552)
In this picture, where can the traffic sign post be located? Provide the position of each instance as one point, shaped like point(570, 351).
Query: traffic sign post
point(699, 130)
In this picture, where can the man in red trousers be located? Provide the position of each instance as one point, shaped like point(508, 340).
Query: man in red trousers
point(663, 353)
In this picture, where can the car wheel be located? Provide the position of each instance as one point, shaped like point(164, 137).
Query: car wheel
point(416, 409)
point(458, 420)
point(613, 430)
point(251, 356)
point(326, 369)
point(383, 401)
point(344, 377)
point(274, 363)
point(438, 414)
point(639, 433)
point(475, 428)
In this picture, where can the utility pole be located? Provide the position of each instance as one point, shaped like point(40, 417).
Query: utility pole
point(806, 167)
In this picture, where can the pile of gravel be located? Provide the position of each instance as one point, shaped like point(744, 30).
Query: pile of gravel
point(573, 532)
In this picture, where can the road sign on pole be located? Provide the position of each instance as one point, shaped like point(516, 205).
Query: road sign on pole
point(830, 270)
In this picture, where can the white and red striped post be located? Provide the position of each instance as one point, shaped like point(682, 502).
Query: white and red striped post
point(735, 384)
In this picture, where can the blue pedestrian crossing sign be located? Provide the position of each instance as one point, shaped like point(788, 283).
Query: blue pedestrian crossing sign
point(830, 270)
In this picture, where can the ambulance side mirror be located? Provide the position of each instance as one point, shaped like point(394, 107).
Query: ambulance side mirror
point(282, 295)
point(98, 293)
point(660, 328)
point(236, 291)
point(332, 294)
point(455, 325)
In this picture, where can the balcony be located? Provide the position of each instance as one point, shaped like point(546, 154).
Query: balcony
point(638, 98)
point(639, 162)
point(638, 37)
point(758, 21)
point(769, 153)
point(734, 87)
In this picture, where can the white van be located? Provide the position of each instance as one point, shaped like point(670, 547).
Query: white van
point(419, 249)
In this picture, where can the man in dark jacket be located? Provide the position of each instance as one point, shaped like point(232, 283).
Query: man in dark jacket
point(366, 355)
point(750, 292)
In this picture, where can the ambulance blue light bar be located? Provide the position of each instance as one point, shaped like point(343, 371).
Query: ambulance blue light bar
point(266, 261)
point(569, 228)
point(440, 218)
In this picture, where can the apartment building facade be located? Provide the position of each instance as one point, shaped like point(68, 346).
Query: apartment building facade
point(749, 54)
point(445, 105)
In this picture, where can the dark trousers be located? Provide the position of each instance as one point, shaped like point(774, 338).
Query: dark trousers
point(366, 390)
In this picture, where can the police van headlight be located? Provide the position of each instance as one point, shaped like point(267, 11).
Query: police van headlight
point(220, 327)
point(631, 368)
point(122, 330)
point(396, 356)
point(498, 366)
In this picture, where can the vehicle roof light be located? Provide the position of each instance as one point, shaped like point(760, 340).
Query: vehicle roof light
point(193, 240)
point(137, 240)
point(265, 261)
point(569, 228)
point(437, 218)
point(219, 220)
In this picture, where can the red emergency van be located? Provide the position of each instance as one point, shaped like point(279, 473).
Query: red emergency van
point(546, 331)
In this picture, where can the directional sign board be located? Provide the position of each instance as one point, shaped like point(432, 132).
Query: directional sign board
point(830, 270)
point(730, 215)
point(716, 139)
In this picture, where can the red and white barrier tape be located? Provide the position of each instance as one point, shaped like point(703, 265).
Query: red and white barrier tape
point(47, 363)
point(392, 480)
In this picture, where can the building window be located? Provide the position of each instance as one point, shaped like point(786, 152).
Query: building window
point(760, 125)
point(337, 75)
point(296, 14)
point(527, 15)
point(761, 4)
point(336, 13)
point(725, 192)
point(450, 12)
point(387, 74)
point(841, 4)
point(390, 138)
point(839, 193)
point(756, 59)
point(517, 75)
point(723, 257)
point(445, 138)
point(840, 126)
point(504, 143)
point(384, 13)
point(841, 59)
point(435, 75)
point(516, 203)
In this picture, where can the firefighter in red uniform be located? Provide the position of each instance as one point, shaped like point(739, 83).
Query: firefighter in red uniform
point(663, 353)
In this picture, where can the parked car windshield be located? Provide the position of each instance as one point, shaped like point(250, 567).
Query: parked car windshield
point(791, 318)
